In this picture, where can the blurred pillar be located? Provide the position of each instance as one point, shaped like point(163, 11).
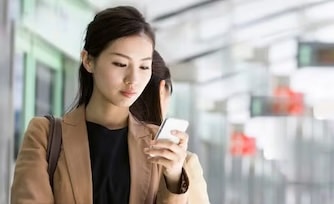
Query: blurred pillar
point(6, 108)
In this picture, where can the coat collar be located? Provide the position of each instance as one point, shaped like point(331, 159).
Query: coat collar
point(76, 148)
point(78, 116)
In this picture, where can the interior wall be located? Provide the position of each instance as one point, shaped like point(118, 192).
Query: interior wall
point(6, 109)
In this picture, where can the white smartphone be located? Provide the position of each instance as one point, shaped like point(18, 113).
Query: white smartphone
point(170, 124)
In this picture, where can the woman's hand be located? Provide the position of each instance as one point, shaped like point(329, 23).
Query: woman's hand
point(171, 156)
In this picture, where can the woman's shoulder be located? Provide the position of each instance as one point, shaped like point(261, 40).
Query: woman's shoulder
point(152, 126)
point(37, 130)
point(38, 123)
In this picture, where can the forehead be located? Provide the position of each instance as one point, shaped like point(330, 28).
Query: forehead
point(135, 47)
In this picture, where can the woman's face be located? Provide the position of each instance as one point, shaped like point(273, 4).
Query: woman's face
point(165, 94)
point(122, 70)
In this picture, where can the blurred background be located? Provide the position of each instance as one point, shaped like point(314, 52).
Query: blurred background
point(255, 78)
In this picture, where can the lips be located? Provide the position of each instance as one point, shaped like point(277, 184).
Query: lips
point(128, 94)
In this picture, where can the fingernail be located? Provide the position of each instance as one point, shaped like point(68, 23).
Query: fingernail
point(150, 156)
point(173, 132)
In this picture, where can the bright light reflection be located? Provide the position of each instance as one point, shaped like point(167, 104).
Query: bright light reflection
point(273, 26)
point(321, 12)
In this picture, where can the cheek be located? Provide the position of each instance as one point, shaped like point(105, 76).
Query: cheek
point(145, 78)
point(164, 101)
point(107, 79)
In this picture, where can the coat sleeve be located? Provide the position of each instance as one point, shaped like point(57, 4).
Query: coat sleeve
point(197, 191)
point(31, 179)
point(197, 188)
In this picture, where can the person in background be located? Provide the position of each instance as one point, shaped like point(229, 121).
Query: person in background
point(157, 94)
point(105, 148)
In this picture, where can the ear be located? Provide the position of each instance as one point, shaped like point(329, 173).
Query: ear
point(87, 61)
point(162, 89)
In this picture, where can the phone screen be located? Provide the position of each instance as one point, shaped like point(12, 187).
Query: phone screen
point(170, 124)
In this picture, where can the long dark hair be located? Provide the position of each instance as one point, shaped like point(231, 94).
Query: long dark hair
point(147, 107)
point(106, 27)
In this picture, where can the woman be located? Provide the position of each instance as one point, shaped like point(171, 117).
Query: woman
point(105, 152)
point(155, 95)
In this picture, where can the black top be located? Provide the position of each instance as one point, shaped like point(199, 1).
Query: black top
point(110, 164)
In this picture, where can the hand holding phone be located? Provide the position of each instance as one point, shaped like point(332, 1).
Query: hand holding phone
point(170, 124)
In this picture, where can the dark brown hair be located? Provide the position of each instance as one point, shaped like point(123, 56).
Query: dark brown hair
point(106, 27)
point(147, 107)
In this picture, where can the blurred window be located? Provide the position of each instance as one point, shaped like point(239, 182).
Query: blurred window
point(18, 80)
point(44, 89)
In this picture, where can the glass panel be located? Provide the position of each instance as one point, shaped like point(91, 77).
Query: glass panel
point(18, 80)
point(44, 89)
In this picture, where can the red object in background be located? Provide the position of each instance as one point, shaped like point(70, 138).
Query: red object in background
point(289, 102)
point(242, 145)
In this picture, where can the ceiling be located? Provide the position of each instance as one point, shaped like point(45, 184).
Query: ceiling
point(198, 24)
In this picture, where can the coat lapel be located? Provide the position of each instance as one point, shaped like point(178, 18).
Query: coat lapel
point(139, 137)
point(76, 149)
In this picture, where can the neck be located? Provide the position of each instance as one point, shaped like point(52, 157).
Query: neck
point(107, 114)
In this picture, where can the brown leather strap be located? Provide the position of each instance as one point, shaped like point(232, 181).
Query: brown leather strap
point(54, 145)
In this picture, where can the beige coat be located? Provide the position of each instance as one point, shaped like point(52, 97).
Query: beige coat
point(73, 178)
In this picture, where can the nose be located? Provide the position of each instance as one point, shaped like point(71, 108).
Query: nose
point(131, 76)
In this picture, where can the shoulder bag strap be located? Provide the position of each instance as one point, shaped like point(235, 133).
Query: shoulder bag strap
point(54, 145)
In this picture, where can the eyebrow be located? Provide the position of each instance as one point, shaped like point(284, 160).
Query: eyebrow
point(125, 56)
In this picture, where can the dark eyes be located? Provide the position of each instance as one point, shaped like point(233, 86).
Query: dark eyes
point(143, 67)
point(118, 64)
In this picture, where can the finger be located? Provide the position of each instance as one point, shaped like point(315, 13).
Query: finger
point(168, 164)
point(172, 148)
point(180, 134)
point(165, 153)
point(166, 144)
point(183, 136)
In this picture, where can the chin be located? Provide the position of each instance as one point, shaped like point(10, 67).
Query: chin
point(126, 104)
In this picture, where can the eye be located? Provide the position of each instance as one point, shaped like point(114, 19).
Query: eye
point(144, 67)
point(118, 64)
